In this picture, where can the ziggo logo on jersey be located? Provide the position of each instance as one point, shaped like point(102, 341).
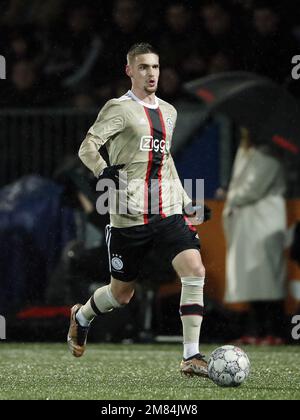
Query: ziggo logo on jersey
point(148, 144)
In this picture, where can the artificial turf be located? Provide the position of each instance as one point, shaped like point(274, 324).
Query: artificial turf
point(137, 372)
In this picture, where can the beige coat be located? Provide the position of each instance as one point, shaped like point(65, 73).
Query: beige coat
point(255, 225)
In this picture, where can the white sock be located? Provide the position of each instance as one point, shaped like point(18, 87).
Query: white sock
point(190, 349)
point(82, 319)
point(101, 302)
point(191, 312)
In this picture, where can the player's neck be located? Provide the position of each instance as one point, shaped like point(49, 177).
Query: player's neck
point(144, 96)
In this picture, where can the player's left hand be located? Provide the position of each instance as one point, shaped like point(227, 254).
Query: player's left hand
point(113, 173)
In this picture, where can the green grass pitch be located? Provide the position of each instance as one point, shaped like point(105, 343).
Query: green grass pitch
point(137, 372)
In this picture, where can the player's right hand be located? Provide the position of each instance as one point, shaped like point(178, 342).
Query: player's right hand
point(112, 172)
point(198, 212)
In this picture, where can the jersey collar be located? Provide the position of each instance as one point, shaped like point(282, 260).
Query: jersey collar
point(135, 98)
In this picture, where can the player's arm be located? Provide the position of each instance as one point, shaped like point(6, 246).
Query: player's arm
point(109, 123)
point(190, 208)
point(185, 198)
point(174, 174)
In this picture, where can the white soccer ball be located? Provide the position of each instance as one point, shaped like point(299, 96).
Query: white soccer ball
point(228, 366)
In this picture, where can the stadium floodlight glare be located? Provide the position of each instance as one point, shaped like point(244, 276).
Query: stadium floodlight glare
point(2, 67)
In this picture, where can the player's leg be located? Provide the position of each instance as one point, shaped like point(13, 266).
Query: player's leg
point(105, 299)
point(124, 254)
point(189, 267)
point(179, 239)
point(115, 295)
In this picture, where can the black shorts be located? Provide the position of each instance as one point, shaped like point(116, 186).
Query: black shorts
point(127, 247)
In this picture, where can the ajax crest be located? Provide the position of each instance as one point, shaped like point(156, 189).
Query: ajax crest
point(117, 263)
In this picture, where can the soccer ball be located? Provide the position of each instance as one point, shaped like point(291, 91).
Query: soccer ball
point(228, 366)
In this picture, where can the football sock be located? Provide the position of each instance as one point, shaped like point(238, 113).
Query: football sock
point(82, 319)
point(191, 313)
point(101, 302)
point(190, 349)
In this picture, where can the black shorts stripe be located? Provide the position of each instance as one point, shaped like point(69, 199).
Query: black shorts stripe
point(191, 310)
point(94, 306)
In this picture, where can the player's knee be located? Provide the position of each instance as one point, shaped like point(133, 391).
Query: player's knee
point(123, 298)
point(197, 271)
point(201, 271)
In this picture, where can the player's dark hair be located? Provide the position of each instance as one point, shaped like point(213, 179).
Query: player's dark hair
point(139, 49)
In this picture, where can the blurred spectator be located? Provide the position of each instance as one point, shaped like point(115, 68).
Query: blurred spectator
point(219, 63)
point(169, 84)
point(126, 29)
point(179, 43)
point(19, 12)
point(121, 86)
point(24, 44)
point(27, 88)
point(245, 4)
point(116, 89)
point(83, 101)
point(217, 19)
point(225, 33)
point(272, 45)
point(74, 51)
point(81, 46)
point(126, 15)
point(255, 228)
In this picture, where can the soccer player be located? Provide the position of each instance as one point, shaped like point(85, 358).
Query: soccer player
point(137, 130)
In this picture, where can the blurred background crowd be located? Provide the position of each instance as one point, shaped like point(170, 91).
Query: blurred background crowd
point(80, 47)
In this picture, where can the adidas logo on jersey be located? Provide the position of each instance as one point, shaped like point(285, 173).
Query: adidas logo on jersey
point(148, 144)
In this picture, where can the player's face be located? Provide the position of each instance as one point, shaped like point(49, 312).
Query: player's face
point(144, 72)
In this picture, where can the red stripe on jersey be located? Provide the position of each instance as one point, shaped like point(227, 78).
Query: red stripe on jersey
point(161, 165)
point(150, 162)
point(191, 227)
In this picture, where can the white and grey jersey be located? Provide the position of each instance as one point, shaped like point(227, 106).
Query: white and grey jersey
point(138, 135)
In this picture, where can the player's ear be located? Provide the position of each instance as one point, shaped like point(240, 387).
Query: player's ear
point(128, 70)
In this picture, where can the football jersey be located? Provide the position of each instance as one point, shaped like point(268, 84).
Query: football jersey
point(139, 136)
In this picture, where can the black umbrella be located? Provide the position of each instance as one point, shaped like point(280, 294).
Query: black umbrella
point(270, 113)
